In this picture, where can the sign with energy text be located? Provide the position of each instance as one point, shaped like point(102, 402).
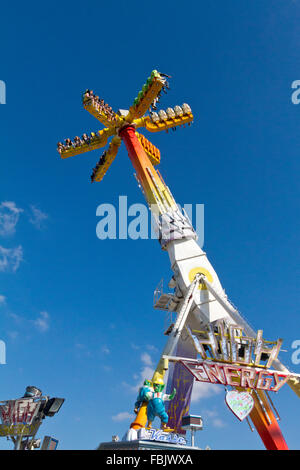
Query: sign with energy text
point(236, 375)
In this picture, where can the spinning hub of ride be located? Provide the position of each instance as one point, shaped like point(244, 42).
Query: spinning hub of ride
point(206, 325)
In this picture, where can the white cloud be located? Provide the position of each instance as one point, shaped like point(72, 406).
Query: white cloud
point(37, 217)
point(105, 349)
point(218, 423)
point(146, 359)
point(13, 334)
point(145, 373)
point(204, 390)
point(42, 323)
point(82, 351)
point(17, 318)
point(150, 347)
point(214, 419)
point(123, 416)
point(10, 258)
point(2, 299)
point(9, 216)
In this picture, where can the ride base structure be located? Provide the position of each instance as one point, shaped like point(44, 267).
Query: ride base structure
point(209, 341)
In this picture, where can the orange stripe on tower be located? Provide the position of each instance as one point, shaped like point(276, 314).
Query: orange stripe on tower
point(142, 165)
point(269, 432)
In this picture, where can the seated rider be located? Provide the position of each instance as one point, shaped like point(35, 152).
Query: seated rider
point(60, 147)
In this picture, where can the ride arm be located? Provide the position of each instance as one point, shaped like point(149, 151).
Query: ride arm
point(146, 96)
point(96, 141)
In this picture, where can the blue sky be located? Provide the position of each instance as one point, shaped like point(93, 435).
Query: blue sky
point(76, 311)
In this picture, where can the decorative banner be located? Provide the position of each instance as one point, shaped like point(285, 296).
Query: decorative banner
point(240, 403)
point(182, 380)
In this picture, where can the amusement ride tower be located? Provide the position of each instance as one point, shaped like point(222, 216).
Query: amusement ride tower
point(199, 300)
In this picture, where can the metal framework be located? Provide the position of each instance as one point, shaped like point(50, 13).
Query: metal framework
point(199, 297)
